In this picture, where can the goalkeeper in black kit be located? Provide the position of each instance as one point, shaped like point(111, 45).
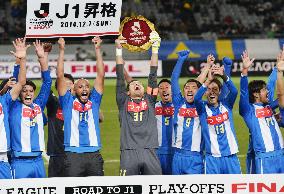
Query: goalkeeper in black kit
point(139, 135)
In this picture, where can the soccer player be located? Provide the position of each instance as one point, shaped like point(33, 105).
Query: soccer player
point(255, 109)
point(27, 133)
point(187, 157)
point(139, 134)
point(216, 118)
point(164, 114)
point(6, 101)
point(82, 141)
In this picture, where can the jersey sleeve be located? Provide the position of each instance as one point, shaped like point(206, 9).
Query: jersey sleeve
point(176, 93)
point(230, 99)
point(42, 97)
point(8, 99)
point(16, 71)
point(271, 83)
point(199, 104)
point(64, 100)
point(244, 105)
point(121, 95)
point(152, 89)
point(95, 96)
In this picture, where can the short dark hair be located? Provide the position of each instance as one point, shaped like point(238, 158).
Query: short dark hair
point(193, 80)
point(127, 87)
point(218, 82)
point(68, 76)
point(254, 87)
point(164, 80)
point(31, 83)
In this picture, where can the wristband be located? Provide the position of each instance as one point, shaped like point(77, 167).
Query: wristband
point(118, 51)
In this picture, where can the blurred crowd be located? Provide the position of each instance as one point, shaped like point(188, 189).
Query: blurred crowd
point(181, 20)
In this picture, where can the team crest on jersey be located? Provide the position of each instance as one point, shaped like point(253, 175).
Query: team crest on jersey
point(166, 111)
point(135, 107)
point(31, 113)
point(218, 119)
point(188, 112)
point(264, 112)
point(79, 107)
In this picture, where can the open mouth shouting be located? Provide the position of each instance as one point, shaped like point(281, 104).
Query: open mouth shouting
point(84, 96)
point(28, 100)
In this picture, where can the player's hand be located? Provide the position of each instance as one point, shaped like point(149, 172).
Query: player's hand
point(20, 47)
point(155, 40)
point(47, 47)
point(210, 60)
point(97, 42)
point(120, 40)
point(11, 82)
point(246, 60)
point(61, 43)
point(210, 75)
point(218, 71)
point(183, 54)
point(39, 49)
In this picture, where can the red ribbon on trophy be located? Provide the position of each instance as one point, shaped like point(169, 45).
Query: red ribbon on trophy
point(136, 30)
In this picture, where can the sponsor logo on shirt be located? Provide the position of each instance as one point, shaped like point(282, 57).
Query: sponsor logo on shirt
point(264, 112)
point(59, 114)
point(31, 113)
point(135, 107)
point(218, 119)
point(79, 107)
point(188, 112)
point(165, 111)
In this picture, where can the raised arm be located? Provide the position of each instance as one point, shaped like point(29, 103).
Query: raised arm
point(20, 54)
point(227, 64)
point(176, 93)
point(127, 77)
point(61, 86)
point(42, 97)
point(120, 81)
point(152, 88)
point(99, 81)
point(231, 97)
point(210, 61)
point(244, 97)
point(280, 84)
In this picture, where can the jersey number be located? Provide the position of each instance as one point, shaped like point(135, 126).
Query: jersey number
point(167, 121)
point(83, 116)
point(138, 116)
point(269, 121)
point(187, 122)
point(220, 129)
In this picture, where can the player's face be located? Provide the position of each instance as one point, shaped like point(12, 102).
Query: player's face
point(165, 92)
point(263, 95)
point(190, 90)
point(212, 94)
point(69, 84)
point(82, 90)
point(136, 89)
point(27, 95)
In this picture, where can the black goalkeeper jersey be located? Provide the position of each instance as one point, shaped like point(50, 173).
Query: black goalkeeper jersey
point(55, 126)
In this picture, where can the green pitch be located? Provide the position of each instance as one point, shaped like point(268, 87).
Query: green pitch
point(110, 131)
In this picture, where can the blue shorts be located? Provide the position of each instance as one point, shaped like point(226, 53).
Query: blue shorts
point(250, 163)
point(5, 170)
point(28, 167)
point(187, 162)
point(222, 165)
point(166, 162)
point(270, 162)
